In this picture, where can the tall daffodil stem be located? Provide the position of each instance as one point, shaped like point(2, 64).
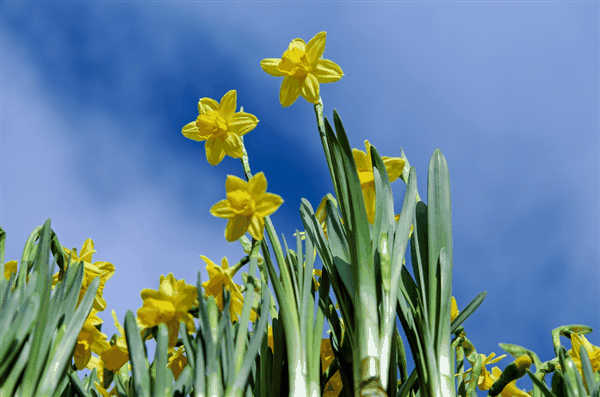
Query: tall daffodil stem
point(321, 127)
point(296, 346)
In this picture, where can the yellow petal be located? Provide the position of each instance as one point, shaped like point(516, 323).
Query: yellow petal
point(234, 146)
point(215, 150)
point(453, 306)
point(327, 71)
point(394, 167)
point(257, 186)
point(297, 43)
point(268, 204)
point(234, 183)
point(315, 47)
point(257, 227)
point(369, 196)
point(321, 213)
point(228, 104)
point(222, 210)
point(236, 227)
point(11, 267)
point(190, 131)
point(87, 250)
point(241, 123)
point(269, 65)
point(207, 105)
point(310, 89)
point(360, 159)
point(290, 91)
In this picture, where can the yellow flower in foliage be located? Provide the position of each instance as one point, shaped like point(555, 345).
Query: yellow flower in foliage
point(221, 127)
point(303, 68)
point(510, 390)
point(453, 309)
point(246, 206)
point(169, 305)
point(104, 270)
point(334, 386)
point(118, 354)
point(223, 276)
point(177, 361)
point(593, 352)
point(393, 166)
point(10, 267)
point(89, 340)
point(484, 378)
point(97, 363)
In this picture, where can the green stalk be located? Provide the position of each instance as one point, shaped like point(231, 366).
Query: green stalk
point(296, 349)
point(366, 357)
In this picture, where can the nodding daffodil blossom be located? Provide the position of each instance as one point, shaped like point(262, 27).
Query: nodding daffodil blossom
point(104, 270)
point(223, 276)
point(89, 340)
point(118, 354)
point(364, 166)
point(177, 361)
point(169, 305)
point(246, 206)
point(593, 353)
point(303, 68)
point(221, 127)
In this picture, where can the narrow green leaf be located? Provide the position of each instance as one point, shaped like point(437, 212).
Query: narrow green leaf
point(467, 311)
point(586, 366)
point(540, 385)
point(439, 233)
point(137, 357)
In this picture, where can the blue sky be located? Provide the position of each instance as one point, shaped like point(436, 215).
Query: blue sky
point(94, 96)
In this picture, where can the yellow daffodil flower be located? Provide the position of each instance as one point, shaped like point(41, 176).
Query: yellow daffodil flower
point(334, 386)
point(223, 276)
point(89, 340)
point(393, 166)
point(510, 390)
point(10, 267)
point(592, 351)
point(169, 305)
point(97, 363)
point(484, 361)
point(118, 354)
point(303, 68)
point(104, 270)
point(246, 206)
point(453, 309)
point(221, 127)
point(177, 361)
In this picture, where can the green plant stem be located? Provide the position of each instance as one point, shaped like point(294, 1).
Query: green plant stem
point(321, 127)
point(298, 375)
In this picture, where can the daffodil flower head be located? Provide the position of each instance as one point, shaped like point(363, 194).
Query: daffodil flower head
point(170, 304)
point(364, 167)
point(221, 127)
point(302, 66)
point(104, 270)
point(246, 206)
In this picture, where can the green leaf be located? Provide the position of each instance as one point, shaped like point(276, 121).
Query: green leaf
point(164, 377)
point(137, 357)
point(540, 385)
point(588, 373)
point(439, 233)
point(467, 311)
point(241, 378)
